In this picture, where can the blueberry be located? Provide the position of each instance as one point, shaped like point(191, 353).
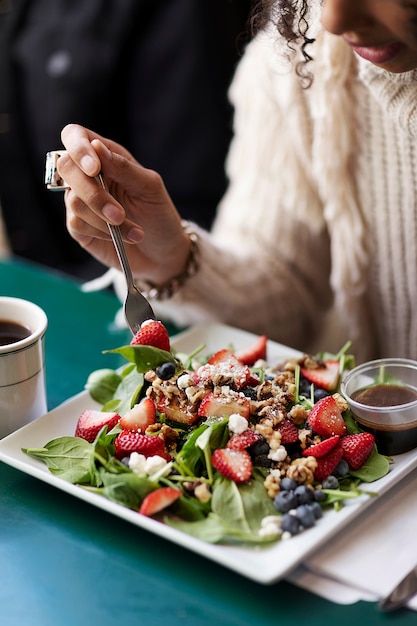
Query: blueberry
point(285, 501)
point(249, 392)
point(260, 447)
point(316, 509)
point(287, 484)
point(330, 482)
point(165, 371)
point(320, 393)
point(262, 460)
point(341, 469)
point(319, 495)
point(290, 524)
point(306, 515)
point(304, 494)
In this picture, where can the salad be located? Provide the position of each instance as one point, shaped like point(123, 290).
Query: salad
point(223, 446)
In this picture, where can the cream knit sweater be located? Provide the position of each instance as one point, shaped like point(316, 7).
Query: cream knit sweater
point(321, 209)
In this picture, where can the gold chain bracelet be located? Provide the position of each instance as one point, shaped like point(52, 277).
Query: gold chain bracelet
point(168, 289)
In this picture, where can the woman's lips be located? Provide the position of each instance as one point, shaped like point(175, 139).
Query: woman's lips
point(379, 55)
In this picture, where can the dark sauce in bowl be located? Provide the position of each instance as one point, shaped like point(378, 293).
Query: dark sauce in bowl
point(391, 438)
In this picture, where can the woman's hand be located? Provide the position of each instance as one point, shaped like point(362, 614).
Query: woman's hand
point(137, 201)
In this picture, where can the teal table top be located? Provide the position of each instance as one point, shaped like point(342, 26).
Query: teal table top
point(66, 563)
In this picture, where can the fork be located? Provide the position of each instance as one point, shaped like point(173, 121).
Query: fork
point(136, 307)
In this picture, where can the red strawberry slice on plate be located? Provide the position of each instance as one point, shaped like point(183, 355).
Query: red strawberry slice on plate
point(233, 464)
point(253, 352)
point(244, 440)
point(357, 448)
point(326, 419)
point(224, 364)
point(152, 333)
point(91, 421)
point(326, 377)
point(129, 441)
point(140, 416)
point(322, 448)
point(214, 405)
point(289, 431)
point(176, 412)
point(327, 464)
point(158, 500)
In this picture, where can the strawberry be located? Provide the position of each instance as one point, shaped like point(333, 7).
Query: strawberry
point(223, 364)
point(233, 464)
point(289, 431)
point(357, 448)
point(326, 419)
point(321, 449)
point(152, 333)
point(129, 441)
point(213, 405)
point(92, 421)
point(140, 416)
point(158, 500)
point(327, 464)
point(326, 377)
point(243, 440)
point(175, 412)
point(256, 350)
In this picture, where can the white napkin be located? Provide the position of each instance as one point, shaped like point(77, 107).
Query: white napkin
point(368, 559)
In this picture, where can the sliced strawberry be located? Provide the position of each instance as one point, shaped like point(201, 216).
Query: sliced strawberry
point(244, 440)
point(289, 431)
point(252, 353)
point(140, 416)
point(326, 419)
point(233, 464)
point(357, 448)
point(213, 405)
point(224, 368)
point(326, 377)
point(321, 449)
point(129, 441)
point(152, 333)
point(175, 412)
point(92, 421)
point(158, 500)
point(327, 464)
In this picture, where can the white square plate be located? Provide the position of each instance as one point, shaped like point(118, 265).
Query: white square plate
point(262, 564)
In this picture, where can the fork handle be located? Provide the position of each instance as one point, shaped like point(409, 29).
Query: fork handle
point(121, 253)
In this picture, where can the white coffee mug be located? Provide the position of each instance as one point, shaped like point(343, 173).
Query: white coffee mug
point(23, 326)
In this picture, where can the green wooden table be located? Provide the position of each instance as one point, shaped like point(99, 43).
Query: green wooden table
point(66, 563)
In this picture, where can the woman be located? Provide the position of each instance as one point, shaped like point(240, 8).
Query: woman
point(321, 206)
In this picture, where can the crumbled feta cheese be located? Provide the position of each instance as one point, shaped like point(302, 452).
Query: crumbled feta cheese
point(154, 464)
point(270, 526)
point(184, 381)
point(237, 423)
point(280, 454)
point(137, 463)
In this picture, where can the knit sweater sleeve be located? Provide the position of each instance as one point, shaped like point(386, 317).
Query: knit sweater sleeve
point(264, 267)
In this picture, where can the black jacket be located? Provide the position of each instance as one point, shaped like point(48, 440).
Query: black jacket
point(151, 74)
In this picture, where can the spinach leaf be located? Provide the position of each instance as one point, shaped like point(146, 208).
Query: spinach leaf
point(375, 467)
point(70, 458)
point(145, 357)
point(101, 385)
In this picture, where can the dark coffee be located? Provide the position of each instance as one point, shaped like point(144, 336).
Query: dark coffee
point(10, 332)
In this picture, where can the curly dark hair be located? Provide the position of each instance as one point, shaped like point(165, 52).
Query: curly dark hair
point(290, 19)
